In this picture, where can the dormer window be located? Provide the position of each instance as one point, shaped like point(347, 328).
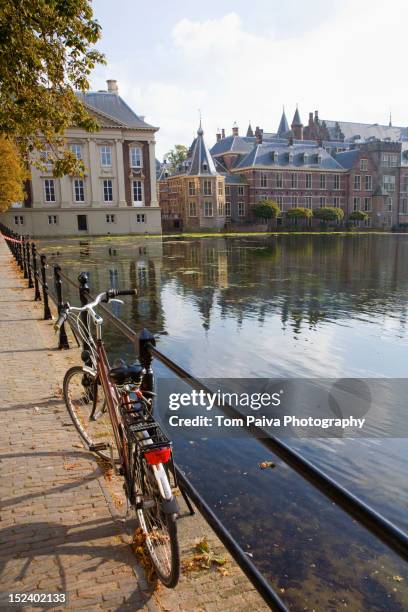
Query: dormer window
point(319, 159)
point(291, 158)
point(205, 167)
point(305, 158)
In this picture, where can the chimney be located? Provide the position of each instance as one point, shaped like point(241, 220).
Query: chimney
point(223, 133)
point(218, 135)
point(235, 129)
point(258, 135)
point(316, 118)
point(112, 86)
point(310, 118)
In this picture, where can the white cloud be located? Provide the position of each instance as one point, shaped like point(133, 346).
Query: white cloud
point(350, 67)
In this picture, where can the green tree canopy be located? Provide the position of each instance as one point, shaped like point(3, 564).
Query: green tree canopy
point(176, 156)
point(328, 213)
point(46, 53)
point(358, 215)
point(266, 209)
point(299, 213)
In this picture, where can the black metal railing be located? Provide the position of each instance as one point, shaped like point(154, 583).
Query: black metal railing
point(366, 516)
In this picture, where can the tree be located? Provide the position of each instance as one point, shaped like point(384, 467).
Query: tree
point(299, 213)
point(46, 54)
point(266, 209)
point(328, 213)
point(12, 174)
point(358, 215)
point(176, 156)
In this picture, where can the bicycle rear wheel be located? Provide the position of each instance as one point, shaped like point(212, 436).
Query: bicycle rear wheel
point(86, 404)
point(159, 528)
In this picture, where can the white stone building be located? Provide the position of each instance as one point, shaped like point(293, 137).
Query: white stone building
point(117, 194)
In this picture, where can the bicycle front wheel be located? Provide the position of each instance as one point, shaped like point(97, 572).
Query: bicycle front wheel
point(159, 527)
point(86, 404)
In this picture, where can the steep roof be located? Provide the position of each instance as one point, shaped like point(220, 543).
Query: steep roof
point(112, 106)
point(276, 155)
point(233, 144)
point(347, 158)
point(296, 118)
point(199, 161)
point(283, 125)
point(351, 129)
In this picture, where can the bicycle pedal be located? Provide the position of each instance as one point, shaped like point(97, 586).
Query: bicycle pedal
point(98, 447)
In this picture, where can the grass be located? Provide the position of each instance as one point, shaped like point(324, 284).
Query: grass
point(283, 233)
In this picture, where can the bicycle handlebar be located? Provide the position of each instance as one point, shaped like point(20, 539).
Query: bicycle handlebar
point(102, 297)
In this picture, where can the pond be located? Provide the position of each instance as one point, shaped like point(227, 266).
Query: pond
point(317, 306)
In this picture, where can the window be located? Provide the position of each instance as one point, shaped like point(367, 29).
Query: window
point(308, 181)
point(290, 157)
point(279, 180)
point(76, 149)
point(389, 203)
point(110, 218)
point(279, 201)
point(192, 209)
point(293, 180)
point(357, 182)
point(137, 191)
point(49, 190)
point(141, 218)
point(322, 181)
point(389, 182)
point(227, 209)
point(294, 201)
point(404, 206)
point(52, 219)
point(46, 158)
point(207, 187)
point(220, 191)
point(227, 190)
point(264, 180)
point(336, 181)
point(106, 156)
point(322, 201)
point(356, 204)
point(367, 222)
point(79, 191)
point(336, 202)
point(107, 190)
point(367, 204)
point(208, 209)
point(240, 190)
point(191, 188)
point(308, 201)
point(368, 182)
point(389, 160)
point(135, 157)
point(221, 209)
point(241, 209)
point(18, 220)
point(363, 165)
point(405, 183)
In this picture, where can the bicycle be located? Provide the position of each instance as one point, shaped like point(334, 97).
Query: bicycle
point(112, 409)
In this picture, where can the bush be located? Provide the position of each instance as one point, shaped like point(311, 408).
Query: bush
point(267, 209)
point(358, 215)
point(299, 213)
point(328, 213)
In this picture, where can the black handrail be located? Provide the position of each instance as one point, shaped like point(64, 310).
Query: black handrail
point(373, 521)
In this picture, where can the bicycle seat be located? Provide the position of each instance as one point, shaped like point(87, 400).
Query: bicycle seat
point(123, 373)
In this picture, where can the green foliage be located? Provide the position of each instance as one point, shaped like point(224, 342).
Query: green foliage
point(266, 209)
point(299, 213)
point(176, 156)
point(358, 215)
point(46, 53)
point(328, 213)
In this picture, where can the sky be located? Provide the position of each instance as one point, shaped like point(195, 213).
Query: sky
point(240, 61)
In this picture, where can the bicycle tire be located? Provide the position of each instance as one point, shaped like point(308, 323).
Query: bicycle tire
point(169, 575)
point(79, 400)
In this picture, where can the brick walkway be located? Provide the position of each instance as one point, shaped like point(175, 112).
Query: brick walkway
point(60, 528)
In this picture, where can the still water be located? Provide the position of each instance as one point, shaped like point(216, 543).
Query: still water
point(288, 306)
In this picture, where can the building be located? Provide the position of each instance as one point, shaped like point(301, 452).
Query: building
point(352, 166)
point(193, 196)
point(117, 194)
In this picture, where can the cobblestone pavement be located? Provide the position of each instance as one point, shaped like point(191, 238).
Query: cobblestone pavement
point(61, 529)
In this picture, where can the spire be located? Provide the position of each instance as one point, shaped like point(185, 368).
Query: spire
point(390, 123)
point(250, 131)
point(199, 161)
point(200, 129)
point(283, 125)
point(296, 121)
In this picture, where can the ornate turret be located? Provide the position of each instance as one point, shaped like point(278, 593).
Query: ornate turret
point(297, 126)
point(283, 128)
point(250, 131)
point(199, 161)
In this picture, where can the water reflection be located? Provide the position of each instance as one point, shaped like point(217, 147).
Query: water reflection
point(318, 306)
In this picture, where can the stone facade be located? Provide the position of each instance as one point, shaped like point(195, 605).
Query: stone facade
point(116, 195)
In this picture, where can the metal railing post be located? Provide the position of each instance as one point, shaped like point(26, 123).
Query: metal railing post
point(83, 296)
point(63, 339)
point(30, 277)
point(23, 244)
point(47, 311)
point(37, 295)
point(20, 252)
point(146, 340)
